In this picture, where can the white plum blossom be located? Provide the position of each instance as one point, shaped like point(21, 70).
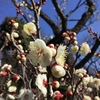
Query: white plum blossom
point(85, 80)
point(74, 49)
point(12, 89)
point(26, 94)
point(58, 71)
point(6, 67)
point(60, 57)
point(80, 72)
point(29, 28)
point(96, 83)
point(85, 49)
point(41, 82)
point(39, 53)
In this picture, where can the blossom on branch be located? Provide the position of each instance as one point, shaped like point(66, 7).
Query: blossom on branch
point(85, 49)
point(26, 94)
point(39, 53)
point(29, 28)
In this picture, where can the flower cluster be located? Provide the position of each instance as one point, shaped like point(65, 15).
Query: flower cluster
point(43, 69)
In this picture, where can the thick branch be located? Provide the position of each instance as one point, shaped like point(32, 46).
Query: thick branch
point(50, 23)
point(86, 59)
point(85, 17)
point(60, 13)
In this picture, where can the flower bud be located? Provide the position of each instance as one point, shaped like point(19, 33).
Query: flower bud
point(51, 45)
point(67, 38)
point(55, 84)
point(3, 73)
point(15, 35)
point(15, 25)
point(74, 49)
point(69, 93)
point(58, 71)
point(57, 95)
point(15, 78)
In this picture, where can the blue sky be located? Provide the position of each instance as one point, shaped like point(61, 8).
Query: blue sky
point(7, 9)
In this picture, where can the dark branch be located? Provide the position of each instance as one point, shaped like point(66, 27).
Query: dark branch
point(85, 17)
point(60, 14)
point(50, 23)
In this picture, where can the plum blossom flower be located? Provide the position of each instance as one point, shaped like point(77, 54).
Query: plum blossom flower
point(39, 53)
point(74, 49)
point(58, 71)
point(96, 83)
point(29, 28)
point(15, 25)
point(60, 58)
point(41, 83)
point(85, 80)
point(80, 72)
point(85, 49)
point(26, 94)
point(15, 35)
point(6, 67)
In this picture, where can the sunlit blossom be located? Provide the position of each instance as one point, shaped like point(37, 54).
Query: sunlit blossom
point(85, 49)
point(74, 49)
point(29, 28)
point(80, 72)
point(96, 83)
point(85, 80)
point(61, 55)
point(39, 53)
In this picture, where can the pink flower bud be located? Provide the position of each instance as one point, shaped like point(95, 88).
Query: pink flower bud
point(57, 95)
point(51, 45)
point(13, 21)
point(55, 84)
point(64, 34)
point(3, 73)
point(67, 38)
point(15, 78)
point(69, 93)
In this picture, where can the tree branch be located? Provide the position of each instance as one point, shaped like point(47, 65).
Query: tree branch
point(50, 23)
point(85, 17)
point(60, 13)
